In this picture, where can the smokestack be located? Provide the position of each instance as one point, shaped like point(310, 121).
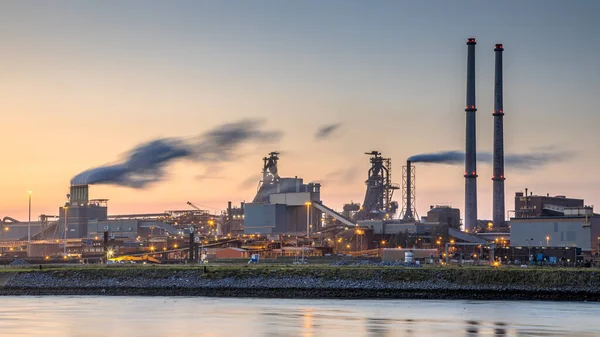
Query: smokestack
point(79, 195)
point(498, 178)
point(471, 148)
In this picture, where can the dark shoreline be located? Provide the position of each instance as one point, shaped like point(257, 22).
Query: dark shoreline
point(314, 293)
point(309, 283)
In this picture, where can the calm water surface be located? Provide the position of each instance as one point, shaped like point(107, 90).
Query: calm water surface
point(180, 317)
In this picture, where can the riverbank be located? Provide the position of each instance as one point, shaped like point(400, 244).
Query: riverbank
point(309, 282)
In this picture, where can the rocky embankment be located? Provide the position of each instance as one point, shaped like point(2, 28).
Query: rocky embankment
point(307, 282)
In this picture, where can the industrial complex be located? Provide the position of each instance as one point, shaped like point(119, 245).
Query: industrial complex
point(287, 217)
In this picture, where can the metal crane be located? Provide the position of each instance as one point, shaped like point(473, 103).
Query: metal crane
point(193, 206)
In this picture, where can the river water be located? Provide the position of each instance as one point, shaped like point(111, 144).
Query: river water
point(198, 316)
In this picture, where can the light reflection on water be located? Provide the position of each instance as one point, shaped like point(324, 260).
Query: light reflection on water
point(197, 316)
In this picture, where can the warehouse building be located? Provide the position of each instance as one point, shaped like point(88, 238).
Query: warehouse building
point(576, 227)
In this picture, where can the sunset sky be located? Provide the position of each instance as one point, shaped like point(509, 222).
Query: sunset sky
point(84, 82)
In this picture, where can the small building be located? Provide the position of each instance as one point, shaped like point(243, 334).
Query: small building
point(232, 253)
point(399, 254)
point(296, 251)
point(444, 215)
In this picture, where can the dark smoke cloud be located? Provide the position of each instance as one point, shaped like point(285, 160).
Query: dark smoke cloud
point(326, 131)
point(146, 163)
point(445, 157)
point(522, 161)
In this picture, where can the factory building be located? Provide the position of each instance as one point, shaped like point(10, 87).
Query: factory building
point(574, 227)
point(15, 230)
point(234, 220)
point(282, 205)
point(444, 215)
point(129, 228)
point(290, 211)
point(546, 205)
point(78, 210)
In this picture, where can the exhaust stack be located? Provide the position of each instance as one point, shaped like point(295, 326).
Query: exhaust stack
point(471, 148)
point(498, 175)
point(79, 195)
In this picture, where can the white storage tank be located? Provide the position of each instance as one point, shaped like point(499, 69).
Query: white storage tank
point(409, 256)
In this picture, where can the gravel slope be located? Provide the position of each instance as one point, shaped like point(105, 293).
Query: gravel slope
point(307, 283)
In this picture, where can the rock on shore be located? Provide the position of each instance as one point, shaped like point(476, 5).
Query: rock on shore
point(303, 283)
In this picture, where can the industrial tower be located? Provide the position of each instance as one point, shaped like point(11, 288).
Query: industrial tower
point(270, 177)
point(378, 197)
point(498, 177)
point(409, 210)
point(471, 148)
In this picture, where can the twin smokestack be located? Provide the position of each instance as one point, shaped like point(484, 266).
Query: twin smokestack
point(471, 144)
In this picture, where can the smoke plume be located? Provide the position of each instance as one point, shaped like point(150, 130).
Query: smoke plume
point(326, 131)
point(521, 161)
point(146, 163)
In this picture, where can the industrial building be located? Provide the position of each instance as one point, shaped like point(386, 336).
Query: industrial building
point(529, 205)
point(130, 228)
point(16, 230)
point(282, 205)
point(76, 212)
point(234, 220)
point(443, 215)
point(575, 227)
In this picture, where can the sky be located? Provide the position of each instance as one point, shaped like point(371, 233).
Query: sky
point(83, 82)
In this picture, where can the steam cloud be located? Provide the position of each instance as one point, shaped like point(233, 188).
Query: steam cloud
point(146, 163)
point(522, 161)
point(326, 131)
